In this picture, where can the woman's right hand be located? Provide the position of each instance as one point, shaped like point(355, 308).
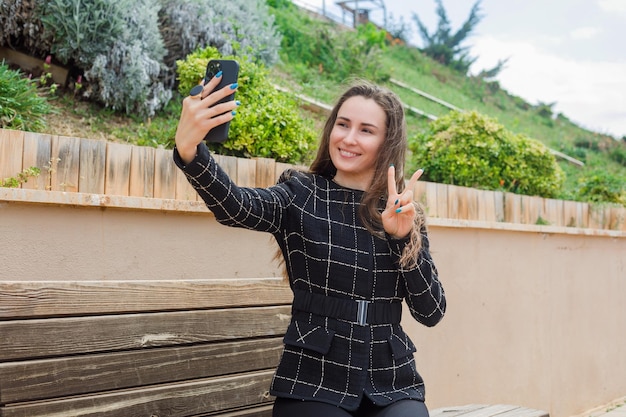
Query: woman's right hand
point(199, 115)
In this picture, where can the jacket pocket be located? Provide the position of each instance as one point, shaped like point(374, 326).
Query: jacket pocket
point(401, 345)
point(309, 336)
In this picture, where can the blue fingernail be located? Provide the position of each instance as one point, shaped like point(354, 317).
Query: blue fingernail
point(219, 74)
point(238, 103)
point(233, 112)
point(233, 86)
point(390, 165)
point(396, 202)
point(399, 210)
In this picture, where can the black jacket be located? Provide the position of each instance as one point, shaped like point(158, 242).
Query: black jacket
point(332, 262)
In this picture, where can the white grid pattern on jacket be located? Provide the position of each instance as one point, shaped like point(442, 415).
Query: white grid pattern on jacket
point(328, 251)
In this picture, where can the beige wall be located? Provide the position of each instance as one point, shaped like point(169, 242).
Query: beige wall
point(536, 314)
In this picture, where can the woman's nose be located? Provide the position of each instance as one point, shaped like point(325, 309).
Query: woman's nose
point(350, 136)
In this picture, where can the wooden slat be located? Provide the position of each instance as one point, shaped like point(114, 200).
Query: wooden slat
point(246, 172)
point(11, 150)
point(184, 190)
point(65, 158)
point(486, 206)
point(142, 171)
point(481, 410)
point(117, 180)
point(512, 208)
point(455, 411)
point(37, 150)
point(93, 156)
point(280, 168)
point(33, 299)
point(85, 374)
point(200, 397)
point(265, 172)
point(165, 174)
point(262, 411)
point(228, 164)
point(431, 200)
point(40, 338)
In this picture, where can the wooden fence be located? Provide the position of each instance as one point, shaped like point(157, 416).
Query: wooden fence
point(71, 164)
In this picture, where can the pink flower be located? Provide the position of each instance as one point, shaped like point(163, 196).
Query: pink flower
point(49, 59)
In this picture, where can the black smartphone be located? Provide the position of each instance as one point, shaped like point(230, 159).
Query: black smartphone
point(230, 75)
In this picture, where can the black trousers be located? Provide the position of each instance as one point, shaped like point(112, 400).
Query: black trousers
point(284, 407)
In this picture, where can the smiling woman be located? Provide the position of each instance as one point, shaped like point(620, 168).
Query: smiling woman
point(355, 246)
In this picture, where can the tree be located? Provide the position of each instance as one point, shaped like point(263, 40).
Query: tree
point(445, 46)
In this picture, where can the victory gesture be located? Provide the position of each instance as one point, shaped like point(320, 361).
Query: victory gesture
point(399, 214)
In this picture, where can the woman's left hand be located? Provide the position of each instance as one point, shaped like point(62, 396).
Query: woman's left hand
point(399, 214)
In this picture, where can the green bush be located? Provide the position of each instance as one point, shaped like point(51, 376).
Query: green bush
point(21, 108)
point(267, 124)
point(235, 27)
point(600, 186)
point(337, 54)
point(472, 150)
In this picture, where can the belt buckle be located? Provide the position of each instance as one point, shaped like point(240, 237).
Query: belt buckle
point(361, 312)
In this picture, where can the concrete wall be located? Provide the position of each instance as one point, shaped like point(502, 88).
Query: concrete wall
point(536, 314)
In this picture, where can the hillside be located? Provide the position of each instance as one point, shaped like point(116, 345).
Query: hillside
point(598, 152)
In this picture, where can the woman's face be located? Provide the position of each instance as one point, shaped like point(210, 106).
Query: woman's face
point(355, 140)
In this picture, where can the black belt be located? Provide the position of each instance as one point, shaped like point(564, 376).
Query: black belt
point(362, 312)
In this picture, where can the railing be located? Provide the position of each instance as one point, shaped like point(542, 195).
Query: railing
point(78, 165)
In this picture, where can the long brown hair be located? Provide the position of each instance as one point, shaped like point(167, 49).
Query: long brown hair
point(392, 151)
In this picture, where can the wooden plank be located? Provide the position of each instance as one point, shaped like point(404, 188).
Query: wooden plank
point(498, 198)
point(40, 338)
point(37, 150)
point(282, 167)
point(117, 180)
point(455, 411)
point(432, 209)
point(184, 190)
point(263, 411)
point(229, 165)
point(193, 398)
point(490, 410)
point(486, 201)
point(34, 299)
point(442, 201)
point(142, 171)
point(553, 211)
point(11, 150)
point(65, 159)
point(265, 172)
point(92, 166)
point(246, 172)
point(571, 214)
point(85, 374)
point(512, 208)
point(471, 196)
point(165, 174)
point(419, 193)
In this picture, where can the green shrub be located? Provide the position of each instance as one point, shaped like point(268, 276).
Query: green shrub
point(601, 186)
point(21, 108)
point(20, 178)
point(472, 150)
point(338, 54)
point(235, 27)
point(267, 124)
point(118, 46)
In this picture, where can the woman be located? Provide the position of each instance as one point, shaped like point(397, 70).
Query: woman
point(354, 245)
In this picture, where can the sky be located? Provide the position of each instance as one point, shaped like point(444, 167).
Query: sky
point(568, 52)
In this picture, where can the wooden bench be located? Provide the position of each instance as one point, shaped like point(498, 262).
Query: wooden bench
point(140, 349)
point(151, 349)
point(482, 410)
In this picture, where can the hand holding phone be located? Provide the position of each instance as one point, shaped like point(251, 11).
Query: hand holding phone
point(230, 75)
